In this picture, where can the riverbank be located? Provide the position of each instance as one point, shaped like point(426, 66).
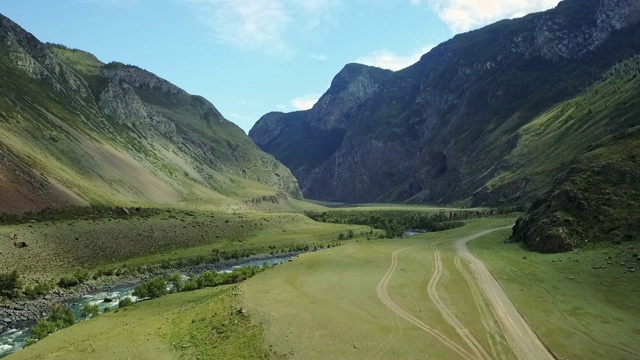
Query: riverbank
point(21, 314)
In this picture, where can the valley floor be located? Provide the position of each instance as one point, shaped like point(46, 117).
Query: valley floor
point(425, 296)
point(428, 297)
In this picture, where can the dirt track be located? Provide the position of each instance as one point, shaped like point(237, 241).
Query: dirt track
point(464, 333)
point(522, 339)
point(391, 305)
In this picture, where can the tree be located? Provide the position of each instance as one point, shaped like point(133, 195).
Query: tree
point(175, 280)
point(151, 289)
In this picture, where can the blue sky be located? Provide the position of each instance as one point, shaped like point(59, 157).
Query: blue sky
point(249, 57)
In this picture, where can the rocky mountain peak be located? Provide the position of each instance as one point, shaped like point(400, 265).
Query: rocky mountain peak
point(354, 84)
point(576, 28)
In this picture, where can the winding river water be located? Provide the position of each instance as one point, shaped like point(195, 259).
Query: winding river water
point(15, 339)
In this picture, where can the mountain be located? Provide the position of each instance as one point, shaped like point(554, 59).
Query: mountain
point(468, 123)
point(76, 131)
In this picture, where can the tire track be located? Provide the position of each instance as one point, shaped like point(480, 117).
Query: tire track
point(463, 331)
point(497, 343)
point(391, 305)
point(523, 340)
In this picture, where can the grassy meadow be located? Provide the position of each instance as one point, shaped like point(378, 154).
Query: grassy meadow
point(56, 248)
point(204, 324)
point(582, 304)
point(325, 304)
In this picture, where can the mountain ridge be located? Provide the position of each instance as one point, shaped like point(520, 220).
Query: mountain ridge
point(116, 134)
point(419, 136)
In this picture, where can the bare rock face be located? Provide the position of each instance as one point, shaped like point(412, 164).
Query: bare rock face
point(120, 101)
point(306, 139)
point(556, 36)
point(38, 62)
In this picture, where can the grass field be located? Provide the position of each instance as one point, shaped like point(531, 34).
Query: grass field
point(203, 324)
point(580, 312)
point(327, 305)
point(324, 305)
point(57, 248)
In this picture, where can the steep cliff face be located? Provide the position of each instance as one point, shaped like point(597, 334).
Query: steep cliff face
point(321, 130)
point(113, 133)
point(446, 128)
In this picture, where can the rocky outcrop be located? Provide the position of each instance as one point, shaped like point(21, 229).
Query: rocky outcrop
point(598, 200)
point(442, 130)
point(121, 103)
point(558, 35)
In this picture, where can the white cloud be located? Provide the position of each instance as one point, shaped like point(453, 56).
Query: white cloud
point(465, 15)
point(300, 103)
point(319, 57)
point(262, 25)
point(247, 24)
point(305, 102)
point(387, 59)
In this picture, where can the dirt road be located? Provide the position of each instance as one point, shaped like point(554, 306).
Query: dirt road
point(462, 330)
point(523, 340)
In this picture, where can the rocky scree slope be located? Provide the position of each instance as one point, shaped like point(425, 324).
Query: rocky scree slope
point(74, 131)
point(453, 127)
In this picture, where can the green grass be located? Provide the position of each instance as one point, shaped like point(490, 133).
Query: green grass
point(57, 248)
point(578, 311)
point(203, 324)
point(550, 143)
point(324, 305)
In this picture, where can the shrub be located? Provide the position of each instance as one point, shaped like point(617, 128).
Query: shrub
point(68, 281)
point(125, 302)
point(151, 289)
point(62, 316)
point(10, 284)
point(89, 310)
point(38, 290)
point(42, 329)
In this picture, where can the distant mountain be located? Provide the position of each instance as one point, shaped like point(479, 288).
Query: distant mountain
point(76, 131)
point(466, 123)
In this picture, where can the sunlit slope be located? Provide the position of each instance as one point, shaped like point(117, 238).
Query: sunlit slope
point(593, 140)
point(74, 131)
point(550, 143)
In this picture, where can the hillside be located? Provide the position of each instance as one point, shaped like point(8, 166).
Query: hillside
point(459, 125)
point(76, 131)
point(599, 196)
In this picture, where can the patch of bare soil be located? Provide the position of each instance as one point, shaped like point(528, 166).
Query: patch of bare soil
point(22, 189)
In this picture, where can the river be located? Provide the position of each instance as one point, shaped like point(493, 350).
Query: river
point(15, 339)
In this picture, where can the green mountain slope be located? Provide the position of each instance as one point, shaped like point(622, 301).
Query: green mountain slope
point(458, 126)
point(75, 131)
point(598, 198)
